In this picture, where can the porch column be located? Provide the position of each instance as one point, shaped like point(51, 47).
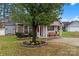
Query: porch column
point(28, 29)
point(23, 28)
point(43, 31)
point(39, 32)
point(16, 27)
point(55, 28)
point(60, 30)
point(46, 31)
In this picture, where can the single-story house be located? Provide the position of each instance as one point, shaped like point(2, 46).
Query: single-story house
point(9, 28)
point(71, 26)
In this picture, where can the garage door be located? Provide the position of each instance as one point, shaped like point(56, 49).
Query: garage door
point(9, 29)
point(74, 29)
point(2, 31)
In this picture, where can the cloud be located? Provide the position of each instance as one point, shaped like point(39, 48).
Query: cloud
point(66, 20)
point(72, 4)
point(76, 18)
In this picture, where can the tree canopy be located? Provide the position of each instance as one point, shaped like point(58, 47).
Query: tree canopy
point(35, 14)
point(40, 13)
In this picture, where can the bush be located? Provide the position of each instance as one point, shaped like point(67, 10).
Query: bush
point(30, 34)
point(18, 34)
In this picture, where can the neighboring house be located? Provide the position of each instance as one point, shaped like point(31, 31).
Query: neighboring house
point(7, 28)
point(71, 26)
point(10, 28)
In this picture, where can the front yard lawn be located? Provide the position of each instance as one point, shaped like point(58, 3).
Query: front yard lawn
point(9, 45)
point(8, 39)
point(70, 34)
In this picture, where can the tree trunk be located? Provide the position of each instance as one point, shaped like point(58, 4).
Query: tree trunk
point(34, 34)
point(34, 30)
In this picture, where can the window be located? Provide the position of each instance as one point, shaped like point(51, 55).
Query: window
point(51, 28)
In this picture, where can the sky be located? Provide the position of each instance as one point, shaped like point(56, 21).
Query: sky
point(71, 12)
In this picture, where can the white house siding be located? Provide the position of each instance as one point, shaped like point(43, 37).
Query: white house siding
point(73, 27)
point(10, 29)
point(2, 31)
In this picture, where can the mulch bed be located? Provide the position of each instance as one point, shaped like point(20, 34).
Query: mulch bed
point(28, 44)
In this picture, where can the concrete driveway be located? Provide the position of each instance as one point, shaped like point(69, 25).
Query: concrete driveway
point(71, 41)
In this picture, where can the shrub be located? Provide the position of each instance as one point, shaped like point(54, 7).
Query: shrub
point(30, 34)
point(18, 34)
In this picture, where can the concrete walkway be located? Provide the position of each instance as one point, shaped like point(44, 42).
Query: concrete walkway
point(71, 41)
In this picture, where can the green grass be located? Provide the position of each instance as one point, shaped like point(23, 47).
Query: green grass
point(70, 34)
point(10, 46)
point(8, 38)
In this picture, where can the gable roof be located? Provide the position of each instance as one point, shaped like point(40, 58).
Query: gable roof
point(56, 23)
point(68, 23)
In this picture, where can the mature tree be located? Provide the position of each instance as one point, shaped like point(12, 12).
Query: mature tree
point(35, 14)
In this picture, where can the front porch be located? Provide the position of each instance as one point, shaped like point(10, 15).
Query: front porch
point(49, 32)
point(54, 30)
